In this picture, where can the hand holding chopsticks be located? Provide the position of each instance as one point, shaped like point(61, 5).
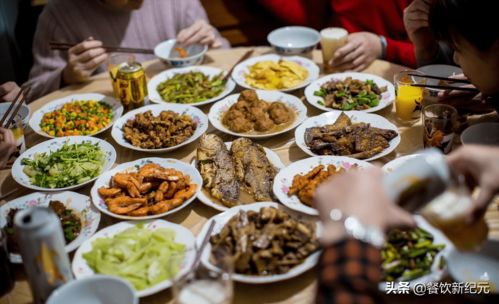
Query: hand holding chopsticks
point(13, 109)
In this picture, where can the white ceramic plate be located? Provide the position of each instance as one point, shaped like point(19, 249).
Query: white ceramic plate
point(437, 273)
point(387, 97)
point(37, 117)
point(53, 145)
point(105, 179)
point(243, 68)
point(182, 235)
point(165, 75)
point(294, 103)
point(206, 199)
point(197, 116)
point(222, 218)
point(395, 163)
point(79, 203)
point(284, 179)
point(356, 117)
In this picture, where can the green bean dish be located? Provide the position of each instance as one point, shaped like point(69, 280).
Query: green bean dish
point(191, 87)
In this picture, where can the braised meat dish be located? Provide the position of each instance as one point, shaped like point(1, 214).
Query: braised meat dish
point(344, 138)
point(166, 130)
point(250, 113)
point(265, 242)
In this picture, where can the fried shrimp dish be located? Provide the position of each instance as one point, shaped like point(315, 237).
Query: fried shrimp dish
point(151, 190)
point(168, 129)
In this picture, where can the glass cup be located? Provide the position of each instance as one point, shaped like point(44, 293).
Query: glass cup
point(332, 38)
point(7, 279)
point(439, 123)
point(408, 100)
point(114, 62)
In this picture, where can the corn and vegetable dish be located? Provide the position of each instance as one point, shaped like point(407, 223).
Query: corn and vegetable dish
point(80, 117)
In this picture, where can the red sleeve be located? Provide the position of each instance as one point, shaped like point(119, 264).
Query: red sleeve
point(313, 13)
point(401, 52)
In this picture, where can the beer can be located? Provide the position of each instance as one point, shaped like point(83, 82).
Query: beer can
point(41, 242)
point(131, 85)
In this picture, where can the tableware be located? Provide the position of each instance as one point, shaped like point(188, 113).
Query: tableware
point(386, 99)
point(105, 179)
point(206, 199)
point(243, 68)
point(332, 39)
point(37, 117)
point(356, 117)
point(397, 162)
point(439, 123)
point(245, 56)
point(486, 133)
point(165, 75)
point(284, 179)
point(481, 267)
point(182, 235)
point(293, 40)
point(222, 218)
point(166, 52)
point(197, 116)
point(294, 103)
point(64, 46)
point(23, 114)
point(53, 145)
point(437, 272)
point(442, 70)
point(79, 203)
point(408, 99)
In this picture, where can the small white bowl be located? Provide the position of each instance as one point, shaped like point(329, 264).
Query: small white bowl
point(293, 40)
point(23, 113)
point(95, 289)
point(486, 133)
point(164, 52)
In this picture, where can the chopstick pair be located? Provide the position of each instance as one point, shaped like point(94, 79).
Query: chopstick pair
point(244, 57)
point(443, 87)
point(7, 118)
point(64, 46)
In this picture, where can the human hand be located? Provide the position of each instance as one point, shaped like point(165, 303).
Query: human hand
point(9, 91)
point(199, 32)
point(480, 165)
point(83, 59)
point(7, 146)
point(360, 51)
point(418, 30)
point(358, 193)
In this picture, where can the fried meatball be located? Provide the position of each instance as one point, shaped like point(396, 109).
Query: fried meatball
point(279, 113)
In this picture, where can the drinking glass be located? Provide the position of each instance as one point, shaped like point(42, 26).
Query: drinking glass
point(408, 100)
point(7, 279)
point(439, 123)
point(113, 64)
point(332, 38)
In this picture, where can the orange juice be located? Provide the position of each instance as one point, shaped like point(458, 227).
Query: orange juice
point(407, 101)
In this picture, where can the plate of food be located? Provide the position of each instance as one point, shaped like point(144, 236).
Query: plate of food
point(395, 163)
point(354, 134)
point(149, 255)
point(160, 128)
point(288, 258)
point(295, 185)
point(63, 163)
point(196, 85)
point(350, 91)
point(79, 219)
point(275, 73)
point(146, 188)
point(235, 173)
point(417, 256)
point(75, 115)
point(257, 114)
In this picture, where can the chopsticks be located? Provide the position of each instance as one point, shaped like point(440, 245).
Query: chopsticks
point(8, 119)
point(199, 253)
point(442, 87)
point(244, 57)
point(441, 78)
point(54, 45)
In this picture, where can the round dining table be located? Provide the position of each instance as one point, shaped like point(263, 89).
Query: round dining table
point(300, 289)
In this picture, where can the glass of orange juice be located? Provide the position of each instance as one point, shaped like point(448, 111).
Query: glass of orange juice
point(409, 99)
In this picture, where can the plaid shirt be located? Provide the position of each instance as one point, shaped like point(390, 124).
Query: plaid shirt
point(349, 272)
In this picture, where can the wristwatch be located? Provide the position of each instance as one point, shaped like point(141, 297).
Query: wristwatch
point(384, 44)
point(358, 230)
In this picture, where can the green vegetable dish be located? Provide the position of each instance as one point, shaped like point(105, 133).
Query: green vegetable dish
point(141, 256)
point(408, 255)
point(73, 164)
point(191, 87)
point(350, 94)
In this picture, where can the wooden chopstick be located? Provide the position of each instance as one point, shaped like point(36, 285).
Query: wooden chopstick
point(18, 107)
point(441, 78)
point(9, 193)
point(199, 253)
point(442, 87)
point(12, 104)
point(244, 57)
point(111, 49)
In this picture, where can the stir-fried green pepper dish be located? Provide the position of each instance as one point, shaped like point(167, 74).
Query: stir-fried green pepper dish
point(191, 87)
point(408, 255)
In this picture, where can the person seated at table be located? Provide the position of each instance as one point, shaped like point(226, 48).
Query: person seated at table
point(349, 269)
point(90, 24)
point(7, 146)
point(8, 91)
point(376, 28)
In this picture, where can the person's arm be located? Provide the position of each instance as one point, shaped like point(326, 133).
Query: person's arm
point(401, 52)
point(314, 13)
